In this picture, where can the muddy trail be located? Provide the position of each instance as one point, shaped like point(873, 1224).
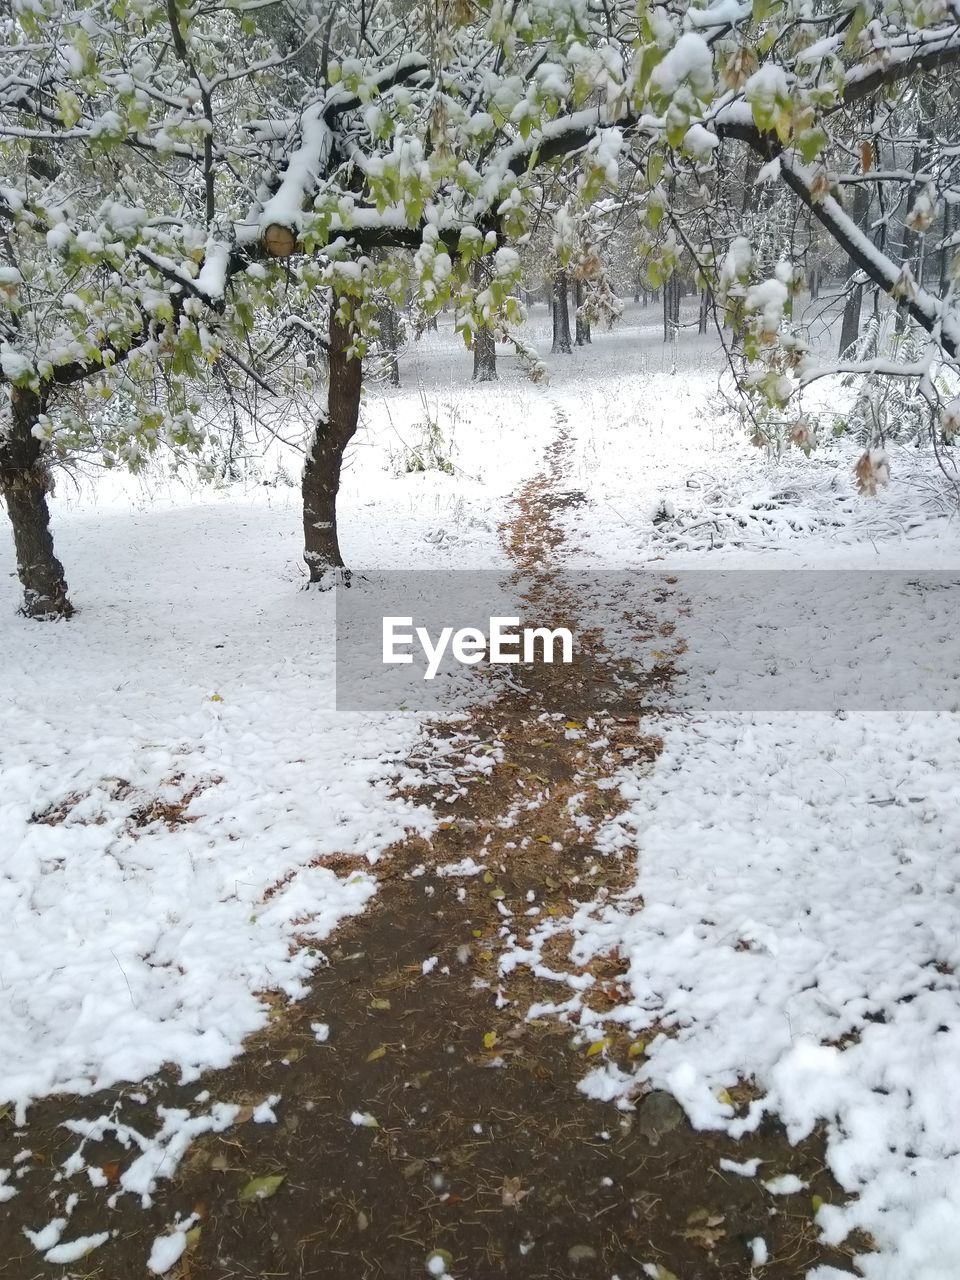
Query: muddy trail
point(407, 1117)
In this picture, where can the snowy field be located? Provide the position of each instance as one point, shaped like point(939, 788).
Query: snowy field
point(800, 925)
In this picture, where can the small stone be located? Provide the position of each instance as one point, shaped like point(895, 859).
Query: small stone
point(658, 1113)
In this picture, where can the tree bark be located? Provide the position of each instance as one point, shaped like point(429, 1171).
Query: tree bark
point(484, 356)
point(671, 308)
point(484, 343)
point(583, 335)
point(850, 325)
point(704, 310)
point(24, 484)
point(389, 320)
point(561, 315)
point(321, 470)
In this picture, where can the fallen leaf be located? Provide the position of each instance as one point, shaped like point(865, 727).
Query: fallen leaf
point(375, 1054)
point(362, 1221)
point(511, 1194)
point(598, 1046)
point(111, 1170)
point(490, 1039)
point(381, 1002)
point(637, 1049)
point(705, 1237)
point(262, 1188)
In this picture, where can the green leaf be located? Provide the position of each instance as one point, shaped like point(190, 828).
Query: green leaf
point(262, 1188)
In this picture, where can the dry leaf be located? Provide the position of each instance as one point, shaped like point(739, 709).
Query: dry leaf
point(872, 469)
point(510, 1194)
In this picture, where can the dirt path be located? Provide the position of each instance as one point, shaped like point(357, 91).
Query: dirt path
point(432, 1115)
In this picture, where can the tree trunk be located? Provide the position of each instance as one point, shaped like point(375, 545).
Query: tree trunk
point(704, 310)
point(582, 321)
point(389, 320)
point(945, 253)
point(484, 356)
point(671, 308)
point(484, 343)
point(850, 325)
point(321, 470)
point(25, 483)
point(561, 315)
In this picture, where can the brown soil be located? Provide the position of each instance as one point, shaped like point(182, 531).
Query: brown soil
point(483, 1147)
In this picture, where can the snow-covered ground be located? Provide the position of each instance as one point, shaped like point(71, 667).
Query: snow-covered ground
point(795, 870)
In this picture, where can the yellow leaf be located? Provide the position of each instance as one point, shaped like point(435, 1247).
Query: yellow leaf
point(598, 1046)
point(573, 724)
point(637, 1049)
point(490, 1039)
point(215, 697)
point(377, 1053)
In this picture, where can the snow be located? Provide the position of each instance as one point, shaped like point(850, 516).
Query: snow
point(47, 1236)
point(794, 916)
point(788, 1184)
point(760, 1255)
point(147, 704)
point(167, 1250)
point(160, 1154)
point(689, 59)
point(74, 1250)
